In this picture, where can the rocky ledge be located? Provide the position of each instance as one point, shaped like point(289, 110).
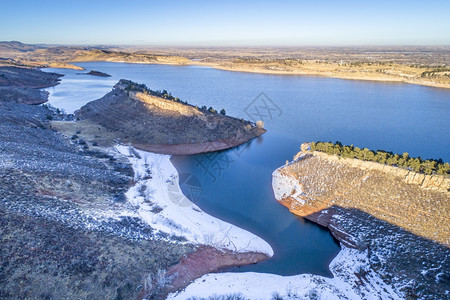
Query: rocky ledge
point(400, 217)
point(157, 122)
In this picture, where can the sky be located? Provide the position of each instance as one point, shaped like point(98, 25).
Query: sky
point(226, 23)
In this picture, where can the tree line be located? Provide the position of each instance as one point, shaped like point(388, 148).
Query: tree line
point(166, 95)
point(436, 71)
point(425, 166)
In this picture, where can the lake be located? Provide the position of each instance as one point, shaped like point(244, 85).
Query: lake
point(235, 185)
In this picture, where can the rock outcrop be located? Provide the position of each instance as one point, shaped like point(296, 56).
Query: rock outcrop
point(316, 181)
point(401, 217)
point(429, 182)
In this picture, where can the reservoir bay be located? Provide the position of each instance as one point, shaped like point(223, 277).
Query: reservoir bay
point(235, 185)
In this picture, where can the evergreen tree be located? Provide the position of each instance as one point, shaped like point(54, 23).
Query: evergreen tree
point(443, 168)
point(417, 164)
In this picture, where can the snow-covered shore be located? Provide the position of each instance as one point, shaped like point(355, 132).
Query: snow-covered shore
point(352, 279)
point(158, 200)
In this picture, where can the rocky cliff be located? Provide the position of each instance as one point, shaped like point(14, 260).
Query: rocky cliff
point(429, 182)
point(316, 181)
point(400, 216)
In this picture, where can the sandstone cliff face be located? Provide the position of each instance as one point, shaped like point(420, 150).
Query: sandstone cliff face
point(184, 110)
point(430, 182)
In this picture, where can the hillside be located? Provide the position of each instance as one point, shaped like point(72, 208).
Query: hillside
point(82, 221)
point(16, 53)
point(15, 46)
point(23, 85)
point(158, 122)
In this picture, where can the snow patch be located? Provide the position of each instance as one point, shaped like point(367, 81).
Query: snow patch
point(286, 186)
point(157, 186)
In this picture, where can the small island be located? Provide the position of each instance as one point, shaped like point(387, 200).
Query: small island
point(98, 73)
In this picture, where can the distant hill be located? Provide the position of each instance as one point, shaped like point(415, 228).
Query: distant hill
point(15, 46)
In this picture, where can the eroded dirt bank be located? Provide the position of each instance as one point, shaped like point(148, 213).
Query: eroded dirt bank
point(206, 260)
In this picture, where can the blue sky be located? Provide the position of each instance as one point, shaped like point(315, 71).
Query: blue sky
point(233, 23)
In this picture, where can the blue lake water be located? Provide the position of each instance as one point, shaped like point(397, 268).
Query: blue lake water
point(236, 184)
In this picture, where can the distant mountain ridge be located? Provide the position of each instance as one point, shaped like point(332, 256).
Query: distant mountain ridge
point(12, 46)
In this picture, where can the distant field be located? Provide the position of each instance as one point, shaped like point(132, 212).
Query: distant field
point(424, 65)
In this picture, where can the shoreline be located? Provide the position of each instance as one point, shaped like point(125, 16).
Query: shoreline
point(352, 279)
point(177, 214)
point(323, 75)
point(275, 72)
point(207, 260)
point(243, 278)
point(197, 148)
point(163, 206)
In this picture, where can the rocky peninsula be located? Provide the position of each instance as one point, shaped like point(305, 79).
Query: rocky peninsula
point(400, 217)
point(158, 122)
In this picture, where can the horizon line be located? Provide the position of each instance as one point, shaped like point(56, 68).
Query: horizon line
point(229, 46)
